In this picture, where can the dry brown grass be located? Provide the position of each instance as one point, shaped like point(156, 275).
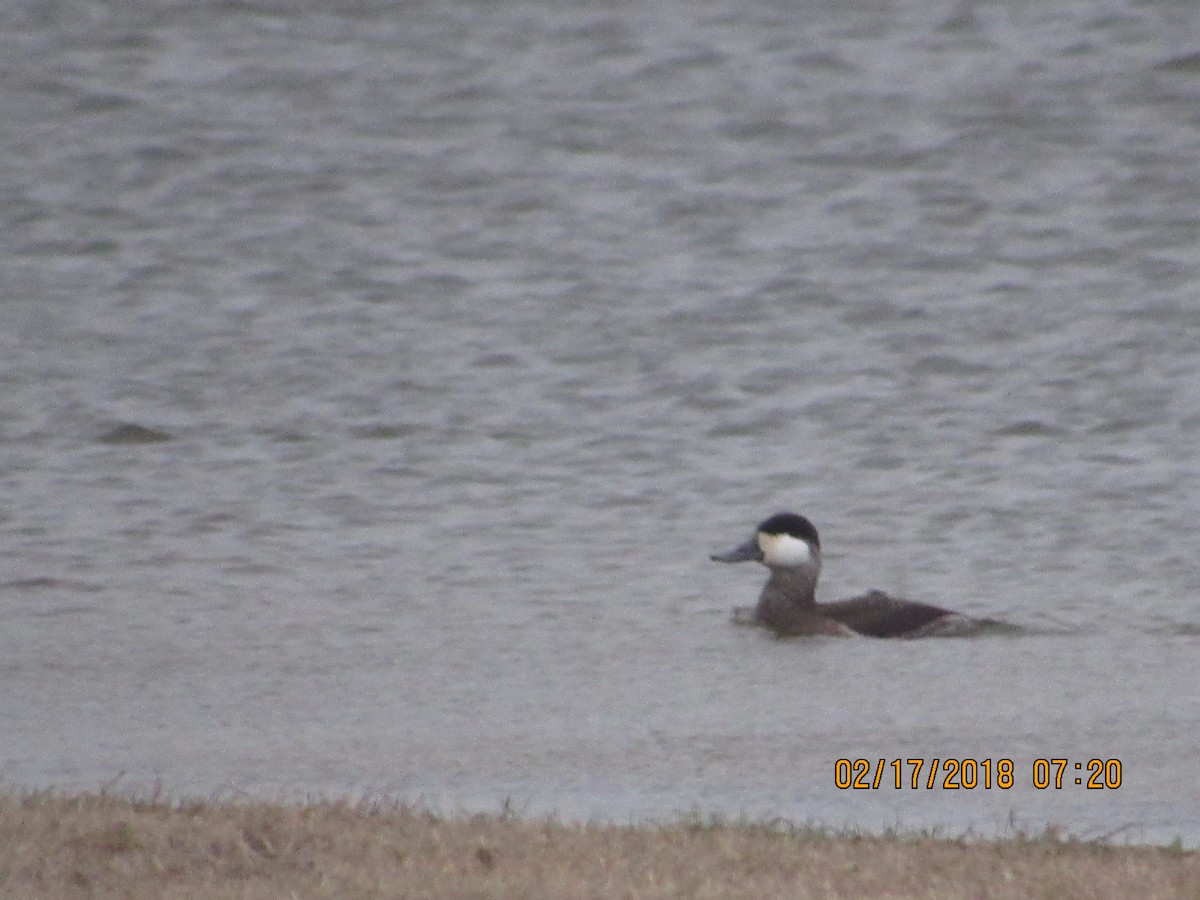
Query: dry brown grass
point(55, 846)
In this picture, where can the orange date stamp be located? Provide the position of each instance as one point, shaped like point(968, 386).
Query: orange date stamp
point(966, 773)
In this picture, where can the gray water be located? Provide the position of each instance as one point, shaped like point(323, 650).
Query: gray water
point(375, 379)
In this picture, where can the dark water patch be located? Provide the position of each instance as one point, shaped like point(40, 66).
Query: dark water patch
point(103, 103)
point(872, 312)
point(364, 287)
point(99, 246)
point(163, 153)
point(949, 204)
point(60, 612)
point(1176, 629)
point(619, 501)
point(961, 18)
point(702, 58)
point(801, 292)
point(1119, 426)
point(1187, 64)
point(132, 433)
point(211, 523)
point(496, 361)
point(883, 462)
point(286, 435)
point(1165, 312)
point(1027, 428)
point(1009, 288)
point(46, 583)
point(1164, 273)
point(756, 427)
point(384, 432)
point(442, 287)
point(772, 379)
point(942, 364)
point(770, 129)
point(944, 262)
point(608, 36)
point(1099, 256)
point(817, 61)
point(252, 567)
point(1112, 459)
point(885, 159)
point(705, 400)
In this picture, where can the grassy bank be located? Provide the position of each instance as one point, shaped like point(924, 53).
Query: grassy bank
point(55, 846)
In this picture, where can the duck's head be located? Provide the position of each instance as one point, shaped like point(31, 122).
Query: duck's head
point(784, 541)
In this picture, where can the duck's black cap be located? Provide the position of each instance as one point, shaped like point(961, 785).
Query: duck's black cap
point(793, 525)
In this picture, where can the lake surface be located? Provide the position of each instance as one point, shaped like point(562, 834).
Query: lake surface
point(376, 378)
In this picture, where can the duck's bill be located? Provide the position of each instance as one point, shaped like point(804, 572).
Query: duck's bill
point(747, 552)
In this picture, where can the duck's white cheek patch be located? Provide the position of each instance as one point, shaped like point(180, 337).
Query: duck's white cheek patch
point(784, 550)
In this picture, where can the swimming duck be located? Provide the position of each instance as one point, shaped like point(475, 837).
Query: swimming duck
point(789, 546)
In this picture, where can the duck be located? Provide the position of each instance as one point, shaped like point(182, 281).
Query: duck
point(790, 547)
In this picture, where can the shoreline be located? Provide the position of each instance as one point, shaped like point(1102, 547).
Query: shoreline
point(86, 844)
